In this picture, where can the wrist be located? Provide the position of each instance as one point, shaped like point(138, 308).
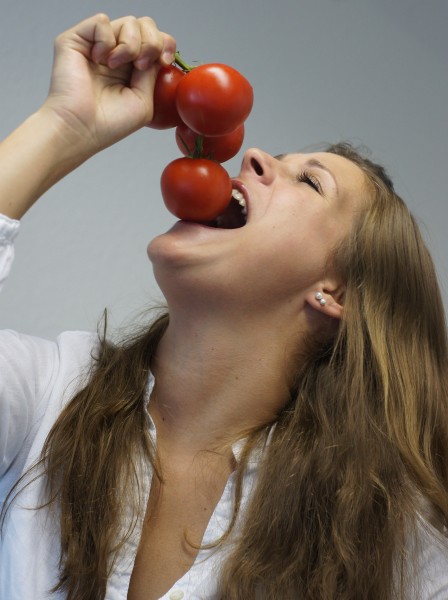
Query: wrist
point(34, 157)
point(67, 143)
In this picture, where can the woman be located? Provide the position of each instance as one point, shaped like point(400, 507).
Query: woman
point(282, 434)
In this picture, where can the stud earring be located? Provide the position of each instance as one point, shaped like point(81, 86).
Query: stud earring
point(319, 297)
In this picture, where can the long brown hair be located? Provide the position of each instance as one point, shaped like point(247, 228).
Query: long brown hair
point(357, 453)
point(363, 446)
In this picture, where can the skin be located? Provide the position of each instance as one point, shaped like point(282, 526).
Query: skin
point(260, 279)
point(101, 91)
point(240, 300)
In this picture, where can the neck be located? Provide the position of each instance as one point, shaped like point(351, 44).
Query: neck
point(214, 381)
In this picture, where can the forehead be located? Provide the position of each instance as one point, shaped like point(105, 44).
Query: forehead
point(349, 177)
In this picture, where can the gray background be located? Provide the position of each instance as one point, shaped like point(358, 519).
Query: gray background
point(370, 71)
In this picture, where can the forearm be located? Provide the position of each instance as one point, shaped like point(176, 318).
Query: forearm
point(97, 97)
point(33, 158)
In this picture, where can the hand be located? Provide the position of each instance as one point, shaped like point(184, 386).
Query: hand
point(103, 78)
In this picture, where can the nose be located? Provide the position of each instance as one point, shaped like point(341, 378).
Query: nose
point(260, 165)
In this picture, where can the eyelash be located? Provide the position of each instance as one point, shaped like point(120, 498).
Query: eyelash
point(306, 177)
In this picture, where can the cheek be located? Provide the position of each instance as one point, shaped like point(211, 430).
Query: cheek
point(283, 265)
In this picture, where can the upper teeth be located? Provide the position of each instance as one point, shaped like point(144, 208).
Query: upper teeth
point(240, 199)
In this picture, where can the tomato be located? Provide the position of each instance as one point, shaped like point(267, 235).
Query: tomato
point(219, 148)
point(214, 99)
point(195, 189)
point(165, 111)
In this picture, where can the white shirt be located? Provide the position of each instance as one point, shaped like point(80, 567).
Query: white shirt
point(37, 377)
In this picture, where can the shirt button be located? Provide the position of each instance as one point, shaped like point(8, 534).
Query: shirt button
point(176, 595)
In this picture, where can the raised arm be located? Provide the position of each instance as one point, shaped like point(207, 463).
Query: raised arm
point(101, 91)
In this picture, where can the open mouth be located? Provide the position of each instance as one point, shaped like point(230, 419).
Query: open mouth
point(235, 215)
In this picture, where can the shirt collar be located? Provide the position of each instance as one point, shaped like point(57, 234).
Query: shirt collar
point(237, 447)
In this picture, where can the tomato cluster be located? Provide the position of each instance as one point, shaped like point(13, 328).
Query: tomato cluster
point(208, 105)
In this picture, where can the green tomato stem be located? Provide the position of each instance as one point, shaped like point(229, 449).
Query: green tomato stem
point(181, 63)
point(198, 147)
point(185, 145)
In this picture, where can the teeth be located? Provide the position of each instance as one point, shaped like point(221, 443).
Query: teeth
point(238, 196)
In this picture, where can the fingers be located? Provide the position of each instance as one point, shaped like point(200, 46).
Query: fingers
point(93, 37)
point(103, 39)
point(119, 42)
point(136, 41)
point(166, 47)
point(128, 35)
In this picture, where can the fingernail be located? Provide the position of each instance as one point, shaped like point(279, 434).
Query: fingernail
point(167, 57)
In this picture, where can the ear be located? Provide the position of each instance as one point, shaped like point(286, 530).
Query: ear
point(327, 298)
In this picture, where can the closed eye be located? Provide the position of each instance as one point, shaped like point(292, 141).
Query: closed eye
point(308, 178)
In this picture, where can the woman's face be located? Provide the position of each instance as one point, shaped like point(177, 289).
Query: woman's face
point(299, 206)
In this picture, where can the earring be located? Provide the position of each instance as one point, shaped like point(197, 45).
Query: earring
point(320, 298)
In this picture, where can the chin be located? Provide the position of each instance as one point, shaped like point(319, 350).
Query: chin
point(151, 249)
point(170, 261)
point(163, 249)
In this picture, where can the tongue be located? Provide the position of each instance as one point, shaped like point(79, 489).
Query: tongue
point(232, 217)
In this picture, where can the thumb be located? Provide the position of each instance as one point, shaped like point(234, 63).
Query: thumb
point(142, 84)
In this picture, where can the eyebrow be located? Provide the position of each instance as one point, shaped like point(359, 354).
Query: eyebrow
point(313, 162)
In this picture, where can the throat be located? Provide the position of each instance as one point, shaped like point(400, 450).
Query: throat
point(209, 388)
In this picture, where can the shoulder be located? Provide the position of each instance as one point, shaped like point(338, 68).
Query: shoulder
point(38, 378)
point(72, 350)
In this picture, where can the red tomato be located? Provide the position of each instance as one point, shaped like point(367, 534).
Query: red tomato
point(165, 111)
point(214, 99)
point(219, 148)
point(195, 189)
